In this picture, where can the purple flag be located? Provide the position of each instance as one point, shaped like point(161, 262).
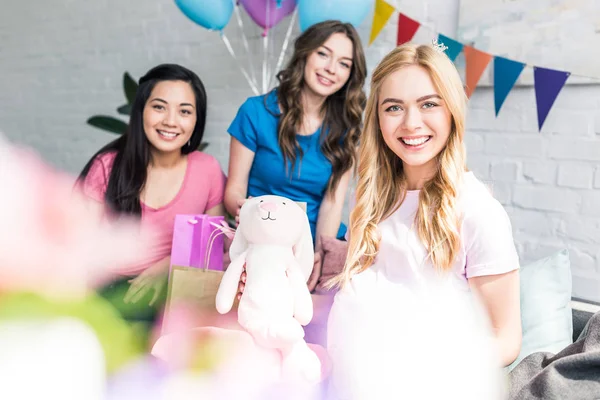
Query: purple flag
point(548, 84)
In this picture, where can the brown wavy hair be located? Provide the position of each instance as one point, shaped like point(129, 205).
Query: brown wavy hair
point(381, 186)
point(343, 109)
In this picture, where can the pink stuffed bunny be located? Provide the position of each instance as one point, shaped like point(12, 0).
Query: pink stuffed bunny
point(274, 242)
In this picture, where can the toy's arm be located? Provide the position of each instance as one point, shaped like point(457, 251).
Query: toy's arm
point(303, 307)
point(229, 284)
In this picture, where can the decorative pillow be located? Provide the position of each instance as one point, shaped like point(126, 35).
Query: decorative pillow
point(546, 315)
point(334, 257)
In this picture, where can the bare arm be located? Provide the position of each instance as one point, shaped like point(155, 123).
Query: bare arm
point(328, 224)
point(218, 210)
point(153, 278)
point(240, 162)
point(500, 297)
point(330, 212)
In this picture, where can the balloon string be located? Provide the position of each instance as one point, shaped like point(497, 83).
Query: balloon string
point(285, 44)
point(265, 72)
point(270, 70)
point(242, 69)
point(245, 42)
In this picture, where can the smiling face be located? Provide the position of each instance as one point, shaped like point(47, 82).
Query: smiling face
point(414, 120)
point(170, 116)
point(328, 68)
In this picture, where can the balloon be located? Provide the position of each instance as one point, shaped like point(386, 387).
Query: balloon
point(314, 11)
point(277, 10)
point(211, 14)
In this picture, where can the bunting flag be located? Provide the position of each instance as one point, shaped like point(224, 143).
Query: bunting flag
point(383, 12)
point(476, 62)
point(506, 73)
point(407, 27)
point(548, 83)
point(453, 47)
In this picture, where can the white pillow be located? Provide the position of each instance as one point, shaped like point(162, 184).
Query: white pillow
point(546, 315)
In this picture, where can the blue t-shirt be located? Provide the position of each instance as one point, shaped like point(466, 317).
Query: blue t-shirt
point(255, 127)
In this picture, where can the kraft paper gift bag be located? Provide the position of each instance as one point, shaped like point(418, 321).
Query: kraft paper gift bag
point(192, 235)
point(192, 288)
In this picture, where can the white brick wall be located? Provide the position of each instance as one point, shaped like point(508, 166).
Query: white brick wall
point(62, 61)
point(548, 181)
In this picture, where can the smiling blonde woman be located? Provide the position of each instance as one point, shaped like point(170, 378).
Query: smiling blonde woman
point(422, 222)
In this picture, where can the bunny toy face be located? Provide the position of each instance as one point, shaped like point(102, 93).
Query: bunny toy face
point(272, 220)
point(278, 221)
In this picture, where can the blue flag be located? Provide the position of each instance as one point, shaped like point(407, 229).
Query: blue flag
point(454, 47)
point(506, 73)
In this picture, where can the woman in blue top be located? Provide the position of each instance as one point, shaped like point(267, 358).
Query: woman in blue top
point(299, 140)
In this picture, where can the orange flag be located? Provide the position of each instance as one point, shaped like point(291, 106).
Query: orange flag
point(476, 61)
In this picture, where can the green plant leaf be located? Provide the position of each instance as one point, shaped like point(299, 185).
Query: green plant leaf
point(108, 123)
point(130, 87)
point(202, 146)
point(125, 109)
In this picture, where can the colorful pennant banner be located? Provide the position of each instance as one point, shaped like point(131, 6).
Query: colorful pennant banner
point(506, 73)
point(407, 27)
point(453, 47)
point(547, 82)
point(383, 12)
point(476, 62)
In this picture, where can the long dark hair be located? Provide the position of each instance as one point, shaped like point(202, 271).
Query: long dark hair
point(129, 171)
point(343, 109)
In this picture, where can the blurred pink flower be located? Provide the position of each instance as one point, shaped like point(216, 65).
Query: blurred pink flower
point(53, 240)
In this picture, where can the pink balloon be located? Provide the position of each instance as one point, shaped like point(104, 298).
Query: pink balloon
point(267, 13)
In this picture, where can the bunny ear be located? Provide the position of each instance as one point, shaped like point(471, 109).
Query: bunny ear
point(238, 246)
point(304, 249)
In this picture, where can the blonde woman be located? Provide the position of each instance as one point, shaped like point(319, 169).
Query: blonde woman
point(420, 218)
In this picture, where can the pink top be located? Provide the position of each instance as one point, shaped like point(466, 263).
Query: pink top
point(487, 246)
point(202, 189)
point(401, 304)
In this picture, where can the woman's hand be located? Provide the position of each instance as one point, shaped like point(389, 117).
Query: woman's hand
point(242, 284)
point(316, 272)
point(153, 278)
point(240, 203)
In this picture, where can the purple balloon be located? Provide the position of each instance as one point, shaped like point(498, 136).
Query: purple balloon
point(257, 9)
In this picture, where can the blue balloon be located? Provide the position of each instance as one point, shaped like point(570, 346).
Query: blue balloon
point(211, 14)
point(311, 12)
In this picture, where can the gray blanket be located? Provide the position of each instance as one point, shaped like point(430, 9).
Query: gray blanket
point(574, 373)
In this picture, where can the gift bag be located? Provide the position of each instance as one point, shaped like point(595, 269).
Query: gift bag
point(192, 236)
point(194, 286)
point(194, 289)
